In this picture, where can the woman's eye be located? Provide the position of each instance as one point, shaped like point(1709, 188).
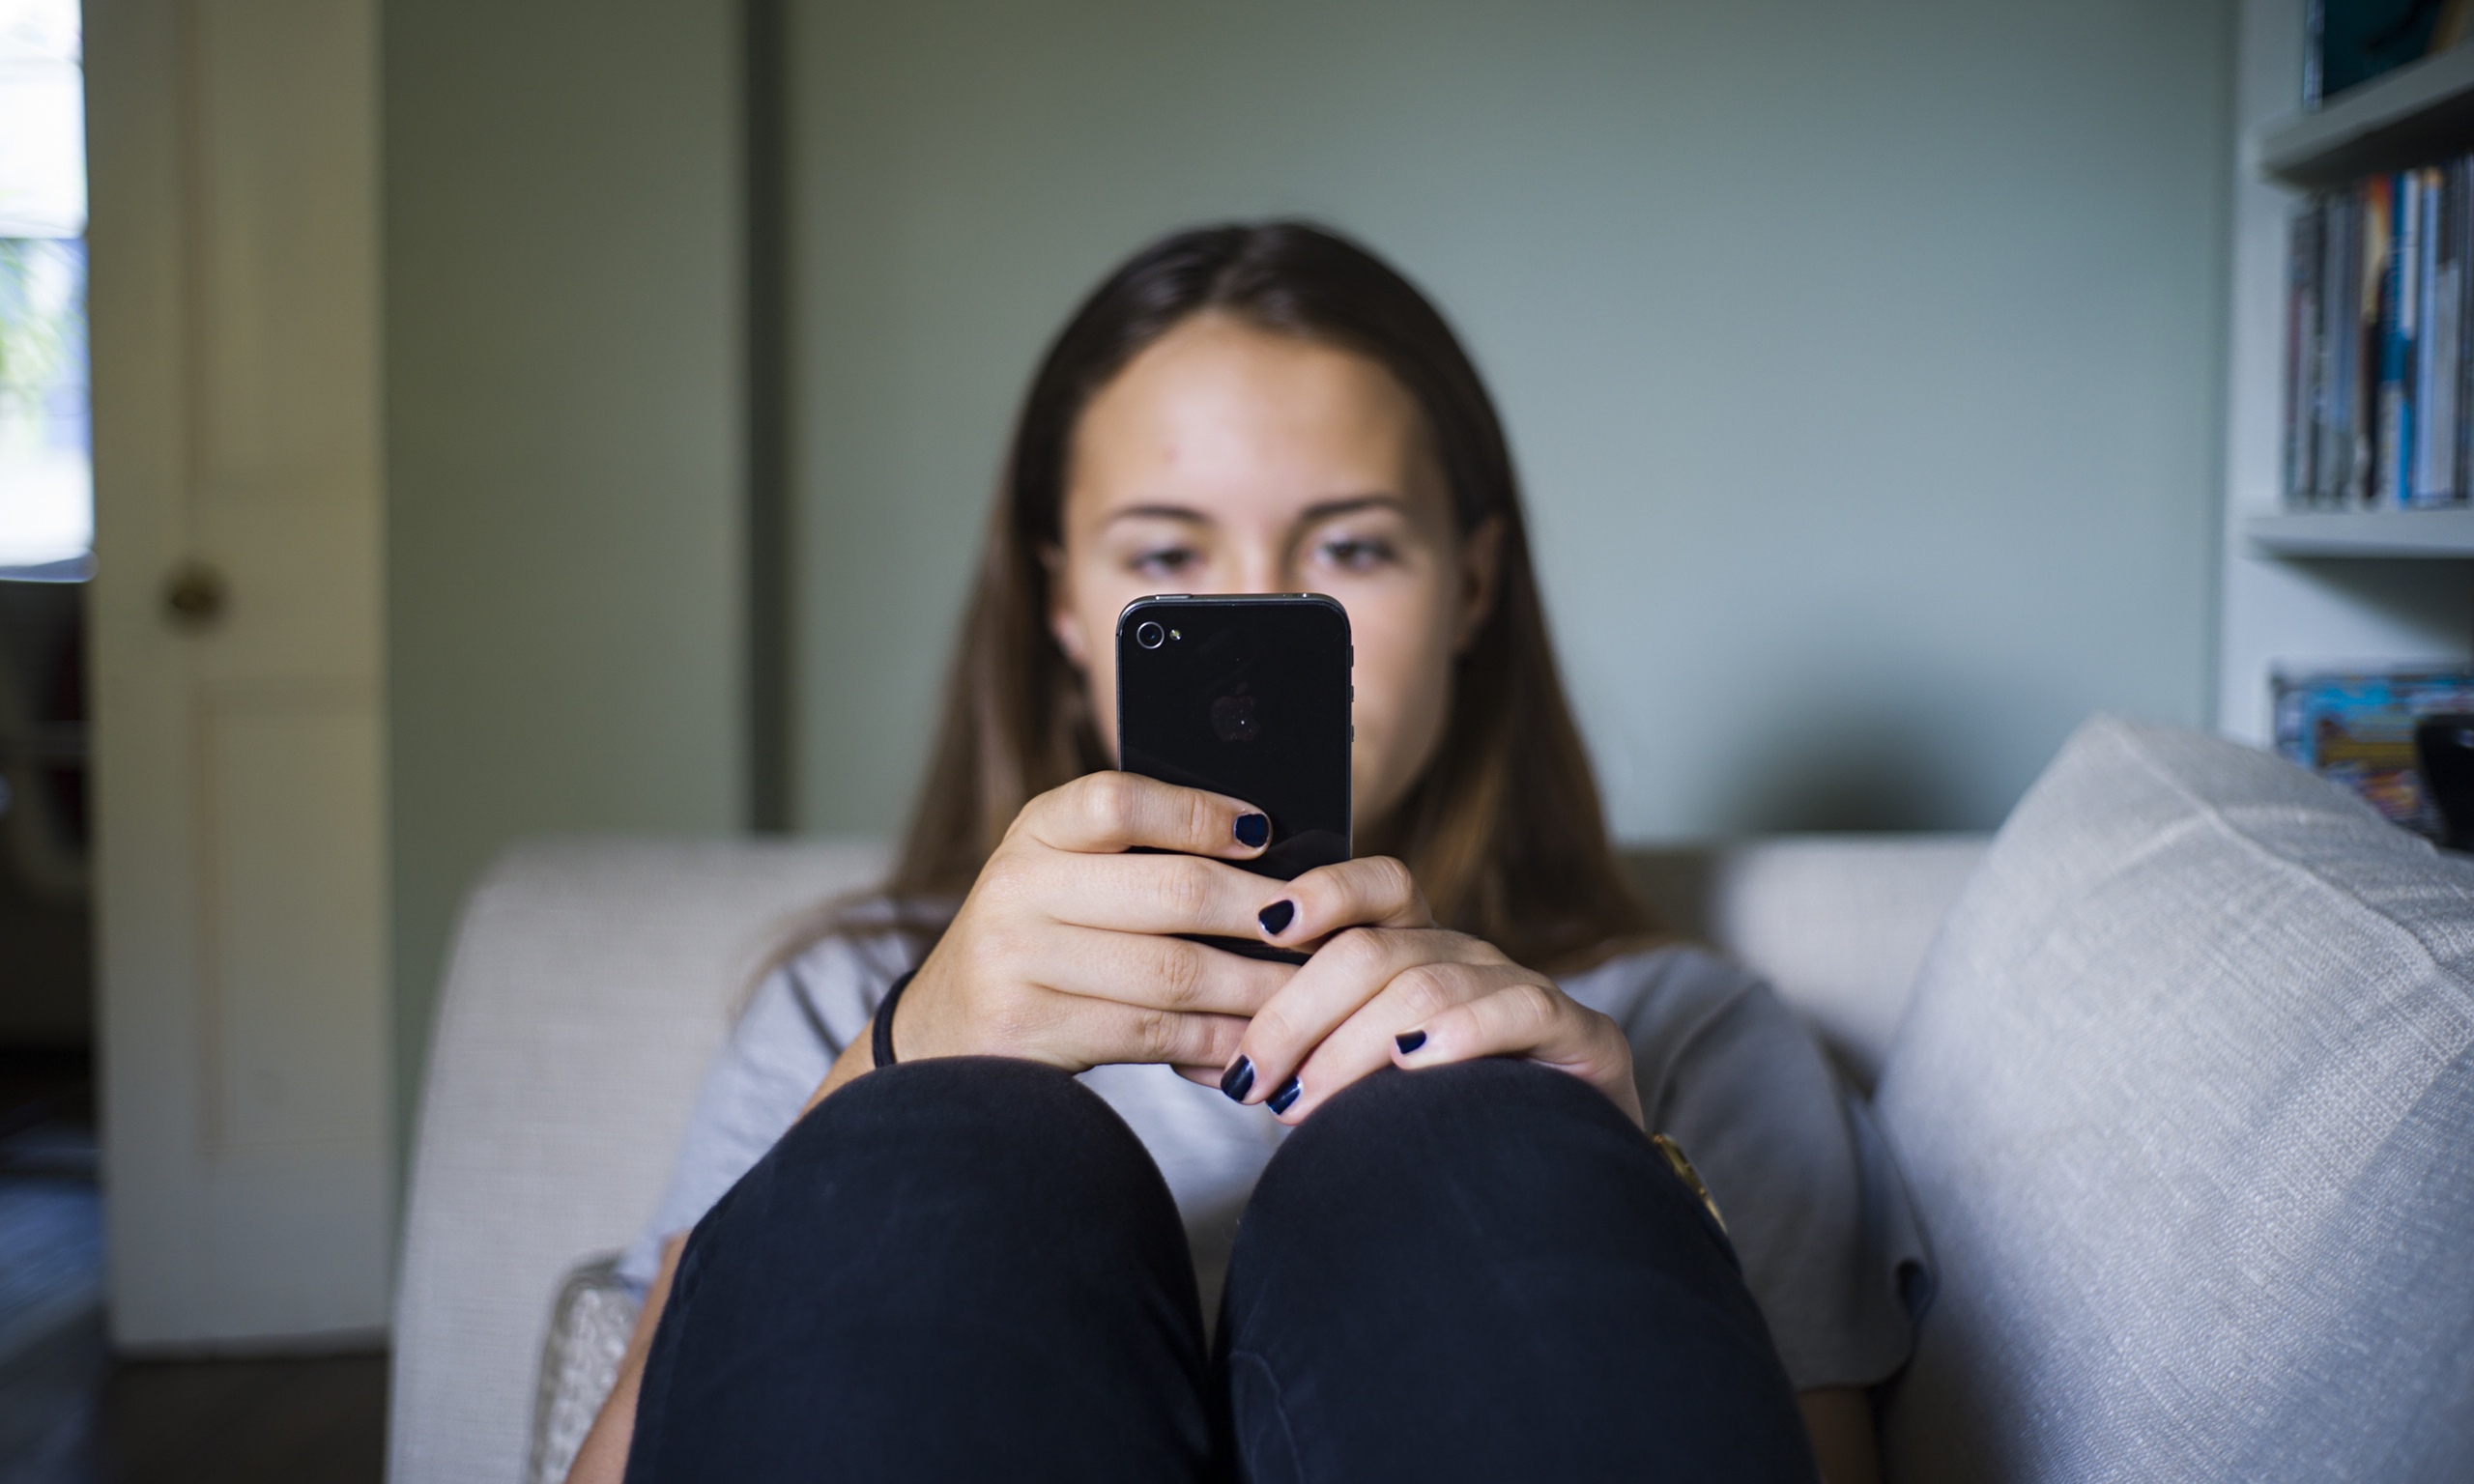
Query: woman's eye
point(1356, 553)
point(1163, 561)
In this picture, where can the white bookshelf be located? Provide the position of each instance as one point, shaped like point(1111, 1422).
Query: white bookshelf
point(2333, 588)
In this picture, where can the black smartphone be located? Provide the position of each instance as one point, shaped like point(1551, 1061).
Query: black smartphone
point(1249, 696)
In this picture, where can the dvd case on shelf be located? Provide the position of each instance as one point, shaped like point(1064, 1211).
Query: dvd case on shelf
point(2356, 727)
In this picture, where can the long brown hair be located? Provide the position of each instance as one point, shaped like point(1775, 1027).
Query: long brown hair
point(1504, 831)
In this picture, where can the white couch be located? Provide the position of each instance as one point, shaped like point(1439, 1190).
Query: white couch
point(2088, 1029)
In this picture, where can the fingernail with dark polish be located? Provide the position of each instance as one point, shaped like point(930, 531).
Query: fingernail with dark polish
point(1409, 1041)
point(1239, 1079)
point(1252, 830)
point(1277, 917)
point(1287, 1094)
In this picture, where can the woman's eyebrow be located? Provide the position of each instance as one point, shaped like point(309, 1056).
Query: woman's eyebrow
point(1354, 504)
point(1188, 514)
point(1322, 510)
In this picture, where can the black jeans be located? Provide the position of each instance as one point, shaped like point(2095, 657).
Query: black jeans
point(970, 1269)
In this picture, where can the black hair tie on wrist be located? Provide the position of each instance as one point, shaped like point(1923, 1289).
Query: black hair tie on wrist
point(881, 1042)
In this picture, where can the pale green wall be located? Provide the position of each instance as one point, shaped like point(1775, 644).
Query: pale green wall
point(1862, 359)
point(562, 429)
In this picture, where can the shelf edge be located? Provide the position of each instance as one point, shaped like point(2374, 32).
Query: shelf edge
point(2393, 534)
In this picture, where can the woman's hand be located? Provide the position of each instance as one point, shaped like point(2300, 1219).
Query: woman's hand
point(1389, 987)
point(1061, 951)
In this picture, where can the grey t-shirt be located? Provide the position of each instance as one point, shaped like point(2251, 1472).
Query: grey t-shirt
point(1808, 1192)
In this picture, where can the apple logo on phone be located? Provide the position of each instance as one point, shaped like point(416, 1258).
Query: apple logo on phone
point(1232, 716)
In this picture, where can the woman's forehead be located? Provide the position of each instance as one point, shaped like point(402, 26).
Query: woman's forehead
point(1221, 419)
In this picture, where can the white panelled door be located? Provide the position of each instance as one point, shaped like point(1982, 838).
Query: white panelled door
point(238, 662)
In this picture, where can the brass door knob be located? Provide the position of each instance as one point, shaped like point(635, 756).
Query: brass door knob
point(194, 595)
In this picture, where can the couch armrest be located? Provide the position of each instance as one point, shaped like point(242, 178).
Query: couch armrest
point(589, 984)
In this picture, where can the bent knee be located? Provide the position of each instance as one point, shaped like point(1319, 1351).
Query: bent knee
point(1000, 1098)
point(1491, 1131)
point(952, 1141)
point(1413, 1104)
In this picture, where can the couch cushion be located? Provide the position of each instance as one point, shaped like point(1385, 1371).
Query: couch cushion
point(1837, 923)
point(2185, 1102)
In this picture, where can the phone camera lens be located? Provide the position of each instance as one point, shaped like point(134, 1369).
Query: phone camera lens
point(1149, 635)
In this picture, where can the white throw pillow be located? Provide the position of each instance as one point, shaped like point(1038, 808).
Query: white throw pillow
point(2186, 1103)
point(589, 1324)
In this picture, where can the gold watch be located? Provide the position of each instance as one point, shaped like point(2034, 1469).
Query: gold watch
point(1690, 1176)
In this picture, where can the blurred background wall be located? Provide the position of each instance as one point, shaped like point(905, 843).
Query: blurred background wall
point(1862, 359)
point(1862, 362)
point(564, 439)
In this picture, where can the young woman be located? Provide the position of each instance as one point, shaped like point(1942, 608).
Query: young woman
point(955, 1176)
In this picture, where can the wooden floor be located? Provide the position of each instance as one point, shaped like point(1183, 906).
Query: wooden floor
point(77, 1417)
point(69, 1412)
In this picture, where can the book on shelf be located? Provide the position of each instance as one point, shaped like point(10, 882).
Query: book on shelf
point(2379, 343)
point(2356, 727)
point(2392, 207)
